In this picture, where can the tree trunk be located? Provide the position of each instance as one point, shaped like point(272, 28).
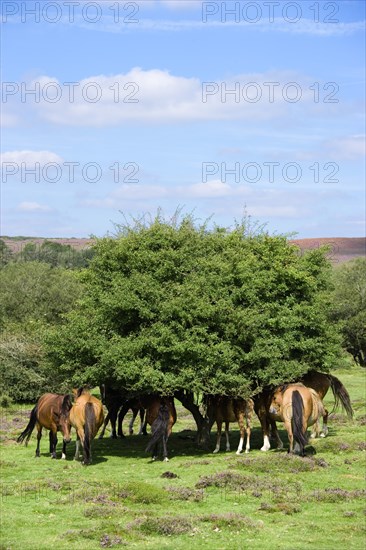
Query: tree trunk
point(204, 423)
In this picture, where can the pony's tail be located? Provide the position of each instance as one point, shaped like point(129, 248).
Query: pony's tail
point(297, 419)
point(341, 395)
point(29, 429)
point(88, 429)
point(159, 427)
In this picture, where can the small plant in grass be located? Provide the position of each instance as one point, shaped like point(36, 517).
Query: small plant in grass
point(143, 493)
point(107, 541)
point(185, 493)
point(167, 526)
point(335, 494)
point(232, 520)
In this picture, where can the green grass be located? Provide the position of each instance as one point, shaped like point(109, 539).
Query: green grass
point(257, 501)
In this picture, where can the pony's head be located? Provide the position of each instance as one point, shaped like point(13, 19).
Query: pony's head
point(276, 402)
point(64, 420)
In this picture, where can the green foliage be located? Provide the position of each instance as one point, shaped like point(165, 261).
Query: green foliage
point(50, 252)
point(33, 295)
point(5, 253)
point(21, 376)
point(36, 291)
point(349, 307)
point(170, 306)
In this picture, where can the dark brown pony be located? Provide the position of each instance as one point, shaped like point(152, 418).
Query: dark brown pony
point(113, 400)
point(86, 416)
point(298, 407)
point(161, 415)
point(137, 405)
point(51, 412)
point(226, 409)
point(118, 406)
point(318, 381)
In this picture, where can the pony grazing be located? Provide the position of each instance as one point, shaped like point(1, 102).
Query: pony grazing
point(298, 407)
point(51, 412)
point(161, 415)
point(226, 409)
point(86, 416)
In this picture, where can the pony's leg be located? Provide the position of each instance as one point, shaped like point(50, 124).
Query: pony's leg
point(63, 456)
point(101, 435)
point(39, 435)
point(242, 434)
point(290, 435)
point(165, 448)
point(262, 415)
point(113, 418)
point(77, 450)
point(248, 419)
point(121, 415)
point(275, 435)
point(53, 439)
point(142, 422)
point(227, 436)
point(134, 414)
point(218, 439)
point(325, 424)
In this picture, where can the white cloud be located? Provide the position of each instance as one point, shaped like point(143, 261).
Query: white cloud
point(29, 158)
point(33, 207)
point(156, 96)
point(8, 120)
point(181, 4)
point(346, 148)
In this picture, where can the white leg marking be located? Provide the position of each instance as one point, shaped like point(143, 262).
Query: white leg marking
point(266, 443)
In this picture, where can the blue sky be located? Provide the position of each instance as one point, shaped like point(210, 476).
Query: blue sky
point(219, 107)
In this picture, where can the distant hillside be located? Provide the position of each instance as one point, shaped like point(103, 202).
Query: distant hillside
point(342, 249)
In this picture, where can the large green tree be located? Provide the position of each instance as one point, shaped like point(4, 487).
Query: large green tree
point(173, 308)
point(349, 307)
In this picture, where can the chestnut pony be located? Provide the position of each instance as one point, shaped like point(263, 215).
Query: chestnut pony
point(298, 407)
point(226, 409)
point(86, 416)
point(318, 381)
point(51, 412)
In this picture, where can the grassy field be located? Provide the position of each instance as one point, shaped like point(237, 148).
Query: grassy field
point(197, 500)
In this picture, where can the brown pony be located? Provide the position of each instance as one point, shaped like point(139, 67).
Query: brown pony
point(161, 415)
point(318, 381)
point(86, 416)
point(113, 399)
point(298, 407)
point(51, 412)
point(226, 409)
point(137, 405)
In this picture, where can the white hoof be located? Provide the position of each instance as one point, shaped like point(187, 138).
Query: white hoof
point(215, 451)
point(322, 435)
point(63, 456)
point(166, 459)
point(238, 452)
point(246, 451)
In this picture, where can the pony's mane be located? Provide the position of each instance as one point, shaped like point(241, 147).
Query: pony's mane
point(81, 390)
point(66, 404)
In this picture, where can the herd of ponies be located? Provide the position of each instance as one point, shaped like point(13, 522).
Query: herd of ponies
point(298, 405)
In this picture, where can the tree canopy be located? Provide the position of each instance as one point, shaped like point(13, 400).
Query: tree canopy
point(349, 307)
point(170, 306)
